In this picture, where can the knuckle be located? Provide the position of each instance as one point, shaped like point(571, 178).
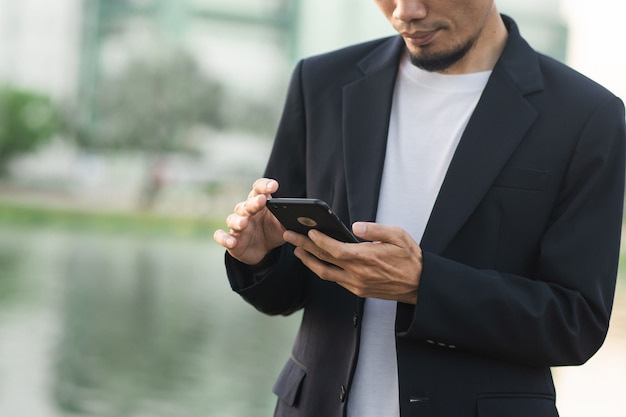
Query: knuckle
point(341, 252)
point(324, 255)
point(345, 252)
point(230, 220)
point(322, 273)
point(258, 186)
point(397, 231)
point(234, 222)
point(359, 292)
point(242, 208)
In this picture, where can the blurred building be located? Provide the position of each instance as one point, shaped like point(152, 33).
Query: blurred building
point(40, 44)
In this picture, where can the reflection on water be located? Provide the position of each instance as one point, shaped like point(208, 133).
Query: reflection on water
point(94, 326)
point(131, 327)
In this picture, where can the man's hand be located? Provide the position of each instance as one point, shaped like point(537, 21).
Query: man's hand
point(254, 231)
point(388, 266)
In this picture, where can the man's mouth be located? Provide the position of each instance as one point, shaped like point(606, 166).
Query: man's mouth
point(420, 38)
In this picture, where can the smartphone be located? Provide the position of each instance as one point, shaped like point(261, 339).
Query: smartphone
point(304, 214)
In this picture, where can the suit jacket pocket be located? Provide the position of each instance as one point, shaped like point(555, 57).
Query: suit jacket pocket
point(523, 179)
point(287, 387)
point(517, 406)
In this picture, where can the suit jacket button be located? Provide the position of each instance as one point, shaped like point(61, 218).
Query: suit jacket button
point(355, 319)
point(342, 394)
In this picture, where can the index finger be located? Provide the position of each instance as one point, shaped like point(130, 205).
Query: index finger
point(329, 246)
point(265, 186)
point(376, 232)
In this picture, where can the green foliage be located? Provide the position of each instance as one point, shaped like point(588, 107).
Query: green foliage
point(27, 120)
point(142, 224)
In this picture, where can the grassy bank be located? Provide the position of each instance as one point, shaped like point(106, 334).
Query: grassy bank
point(16, 215)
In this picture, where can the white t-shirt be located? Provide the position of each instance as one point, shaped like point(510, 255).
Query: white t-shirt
point(428, 116)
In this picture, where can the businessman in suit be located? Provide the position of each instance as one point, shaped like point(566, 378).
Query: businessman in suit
point(486, 183)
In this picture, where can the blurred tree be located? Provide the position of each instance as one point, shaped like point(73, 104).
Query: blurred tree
point(153, 105)
point(27, 120)
point(259, 116)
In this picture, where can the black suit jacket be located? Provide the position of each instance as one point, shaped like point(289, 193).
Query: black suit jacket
point(520, 252)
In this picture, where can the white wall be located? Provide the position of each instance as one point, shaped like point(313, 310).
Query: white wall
point(331, 24)
point(39, 44)
point(597, 41)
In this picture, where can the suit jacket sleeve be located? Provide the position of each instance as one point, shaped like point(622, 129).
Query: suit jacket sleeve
point(279, 286)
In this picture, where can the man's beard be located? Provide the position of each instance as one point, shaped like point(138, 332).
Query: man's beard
point(441, 61)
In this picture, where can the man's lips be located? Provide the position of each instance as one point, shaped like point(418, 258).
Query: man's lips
point(420, 38)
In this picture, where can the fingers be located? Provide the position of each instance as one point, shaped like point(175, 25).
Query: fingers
point(252, 232)
point(375, 232)
point(329, 268)
point(264, 186)
point(320, 246)
point(224, 239)
point(262, 190)
point(323, 268)
point(251, 206)
point(236, 222)
point(387, 266)
point(328, 249)
point(239, 219)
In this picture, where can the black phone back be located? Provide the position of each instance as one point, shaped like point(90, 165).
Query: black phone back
point(304, 214)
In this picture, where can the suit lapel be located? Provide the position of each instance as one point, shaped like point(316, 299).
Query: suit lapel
point(366, 110)
point(500, 121)
point(498, 124)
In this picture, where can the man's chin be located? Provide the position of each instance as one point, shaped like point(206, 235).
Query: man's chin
point(439, 61)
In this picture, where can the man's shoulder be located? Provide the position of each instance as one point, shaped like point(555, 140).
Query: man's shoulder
point(534, 71)
point(558, 75)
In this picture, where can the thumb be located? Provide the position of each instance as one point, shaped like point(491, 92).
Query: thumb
point(375, 232)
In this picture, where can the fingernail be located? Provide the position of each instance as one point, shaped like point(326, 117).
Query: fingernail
point(359, 228)
point(312, 234)
point(288, 236)
point(270, 184)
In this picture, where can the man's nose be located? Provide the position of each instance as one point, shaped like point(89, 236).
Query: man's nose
point(409, 10)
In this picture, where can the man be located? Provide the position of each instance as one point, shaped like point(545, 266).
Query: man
point(506, 167)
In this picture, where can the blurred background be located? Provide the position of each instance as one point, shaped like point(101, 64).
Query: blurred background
point(128, 130)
